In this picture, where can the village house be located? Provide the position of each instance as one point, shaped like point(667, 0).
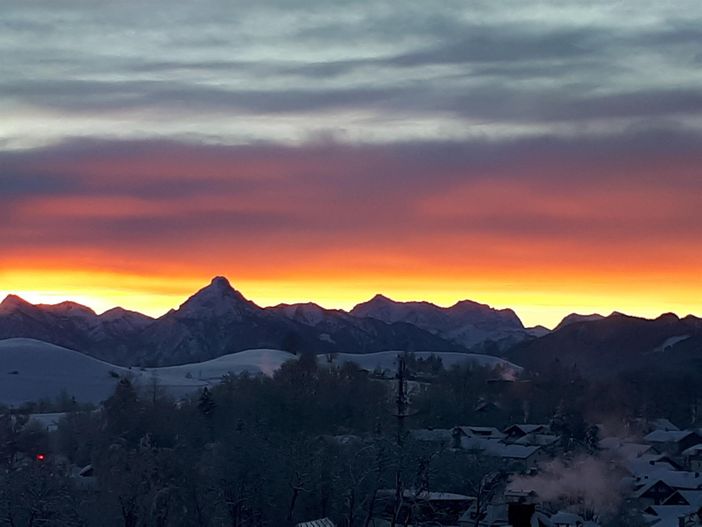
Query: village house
point(516, 431)
point(692, 458)
point(673, 442)
point(441, 509)
point(324, 522)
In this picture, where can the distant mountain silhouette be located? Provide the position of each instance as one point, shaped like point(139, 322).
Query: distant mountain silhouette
point(467, 323)
point(111, 334)
point(218, 320)
point(576, 317)
point(608, 345)
point(215, 321)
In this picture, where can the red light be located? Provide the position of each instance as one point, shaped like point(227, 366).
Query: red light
point(40, 457)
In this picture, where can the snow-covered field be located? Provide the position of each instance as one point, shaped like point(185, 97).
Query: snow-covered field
point(264, 361)
point(32, 369)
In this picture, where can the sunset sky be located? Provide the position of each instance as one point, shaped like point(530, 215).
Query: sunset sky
point(544, 156)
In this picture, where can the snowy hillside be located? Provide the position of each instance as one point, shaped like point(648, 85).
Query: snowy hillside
point(33, 369)
point(264, 361)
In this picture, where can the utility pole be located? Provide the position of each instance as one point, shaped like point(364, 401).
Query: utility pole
point(401, 405)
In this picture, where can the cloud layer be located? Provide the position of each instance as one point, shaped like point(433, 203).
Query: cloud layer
point(234, 72)
point(481, 149)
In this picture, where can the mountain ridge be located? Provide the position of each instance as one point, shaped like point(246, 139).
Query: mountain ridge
point(217, 320)
point(214, 321)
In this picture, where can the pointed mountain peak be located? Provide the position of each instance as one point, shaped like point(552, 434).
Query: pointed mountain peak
point(12, 303)
point(380, 307)
point(217, 298)
point(381, 298)
point(220, 282)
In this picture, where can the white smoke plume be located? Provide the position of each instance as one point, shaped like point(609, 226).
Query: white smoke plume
point(585, 484)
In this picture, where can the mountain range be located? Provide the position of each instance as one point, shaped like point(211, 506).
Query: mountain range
point(218, 320)
point(602, 346)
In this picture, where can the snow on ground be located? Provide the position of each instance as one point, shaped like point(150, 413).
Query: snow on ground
point(32, 369)
point(669, 343)
point(264, 361)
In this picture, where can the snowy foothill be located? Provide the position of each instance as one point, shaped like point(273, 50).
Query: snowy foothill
point(32, 370)
point(265, 361)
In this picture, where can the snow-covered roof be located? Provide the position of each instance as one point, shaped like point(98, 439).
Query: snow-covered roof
point(481, 431)
point(495, 448)
point(667, 436)
point(648, 463)
point(669, 514)
point(677, 479)
point(693, 450)
point(537, 440)
point(526, 428)
point(623, 448)
point(692, 497)
point(438, 435)
point(663, 424)
point(648, 485)
point(426, 495)
point(324, 522)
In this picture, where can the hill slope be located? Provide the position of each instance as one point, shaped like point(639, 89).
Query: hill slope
point(606, 346)
point(33, 370)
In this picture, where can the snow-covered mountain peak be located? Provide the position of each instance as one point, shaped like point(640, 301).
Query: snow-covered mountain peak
point(216, 299)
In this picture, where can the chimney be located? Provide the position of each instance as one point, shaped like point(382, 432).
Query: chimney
point(521, 506)
point(519, 514)
point(456, 434)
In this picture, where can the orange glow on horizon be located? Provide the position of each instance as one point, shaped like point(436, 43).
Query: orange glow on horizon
point(535, 300)
point(543, 233)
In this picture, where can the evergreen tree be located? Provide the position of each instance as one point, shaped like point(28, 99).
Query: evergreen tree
point(206, 405)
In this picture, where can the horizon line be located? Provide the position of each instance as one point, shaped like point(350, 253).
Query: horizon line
point(101, 311)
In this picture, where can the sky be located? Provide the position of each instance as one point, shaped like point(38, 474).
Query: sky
point(544, 156)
